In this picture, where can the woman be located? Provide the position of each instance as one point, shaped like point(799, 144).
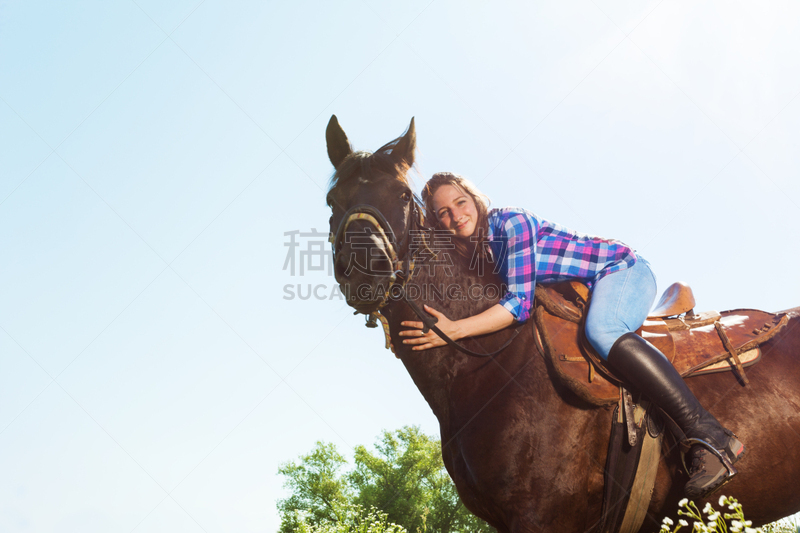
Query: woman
point(531, 250)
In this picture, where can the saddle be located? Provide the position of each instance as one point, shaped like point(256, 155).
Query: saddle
point(696, 344)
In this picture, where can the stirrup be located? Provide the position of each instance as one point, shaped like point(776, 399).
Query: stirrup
point(721, 455)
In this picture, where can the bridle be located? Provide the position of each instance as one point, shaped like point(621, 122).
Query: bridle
point(402, 267)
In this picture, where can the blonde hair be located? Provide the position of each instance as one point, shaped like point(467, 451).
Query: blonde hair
point(463, 246)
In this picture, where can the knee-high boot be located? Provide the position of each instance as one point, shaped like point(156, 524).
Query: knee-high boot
point(646, 369)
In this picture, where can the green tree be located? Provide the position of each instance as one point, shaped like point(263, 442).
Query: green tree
point(404, 478)
point(318, 489)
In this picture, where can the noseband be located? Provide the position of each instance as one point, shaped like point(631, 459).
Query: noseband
point(402, 269)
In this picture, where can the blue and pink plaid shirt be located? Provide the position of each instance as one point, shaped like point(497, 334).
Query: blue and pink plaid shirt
point(531, 250)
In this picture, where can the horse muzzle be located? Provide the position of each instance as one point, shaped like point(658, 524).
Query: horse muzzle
point(365, 259)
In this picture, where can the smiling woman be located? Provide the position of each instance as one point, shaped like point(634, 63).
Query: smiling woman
point(456, 211)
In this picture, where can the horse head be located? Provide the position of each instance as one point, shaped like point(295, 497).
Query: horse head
point(374, 213)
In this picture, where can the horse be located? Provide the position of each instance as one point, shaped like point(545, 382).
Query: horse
point(526, 454)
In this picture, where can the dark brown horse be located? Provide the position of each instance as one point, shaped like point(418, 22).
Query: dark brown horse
point(525, 453)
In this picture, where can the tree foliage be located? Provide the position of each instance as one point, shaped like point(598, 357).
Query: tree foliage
point(318, 489)
point(352, 518)
point(403, 480)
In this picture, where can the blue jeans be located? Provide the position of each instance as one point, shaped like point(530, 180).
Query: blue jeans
point(620, 303)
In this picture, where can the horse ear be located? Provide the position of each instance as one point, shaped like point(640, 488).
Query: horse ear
point(404, 150)
point(338, 145)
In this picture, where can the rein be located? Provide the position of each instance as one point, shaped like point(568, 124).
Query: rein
point(429, 322)
point(402, 269)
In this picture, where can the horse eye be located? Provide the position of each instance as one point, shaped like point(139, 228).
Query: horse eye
point(406, 196)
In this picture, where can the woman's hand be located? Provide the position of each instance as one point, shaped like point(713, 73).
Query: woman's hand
point(423, 341)
point(493, 319)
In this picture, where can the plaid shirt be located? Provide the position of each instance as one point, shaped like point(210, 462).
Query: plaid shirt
point(529, 249)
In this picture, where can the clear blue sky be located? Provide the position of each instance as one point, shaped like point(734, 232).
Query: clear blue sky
point(153, 155)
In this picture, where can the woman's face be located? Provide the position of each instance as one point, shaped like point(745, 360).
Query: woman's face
point(455, 210)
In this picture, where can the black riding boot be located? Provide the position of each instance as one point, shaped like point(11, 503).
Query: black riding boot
point(645, 367)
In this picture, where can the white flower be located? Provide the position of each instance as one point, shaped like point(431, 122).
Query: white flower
point(749, 530)
point(683, 502)
point(722, 500)
point(708, 509)
point(667, 521)
point(713, 516)
point(748, 522)
point(712, 525)
point(684, 523)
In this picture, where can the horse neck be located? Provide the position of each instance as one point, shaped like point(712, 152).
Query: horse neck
point(434, 370)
